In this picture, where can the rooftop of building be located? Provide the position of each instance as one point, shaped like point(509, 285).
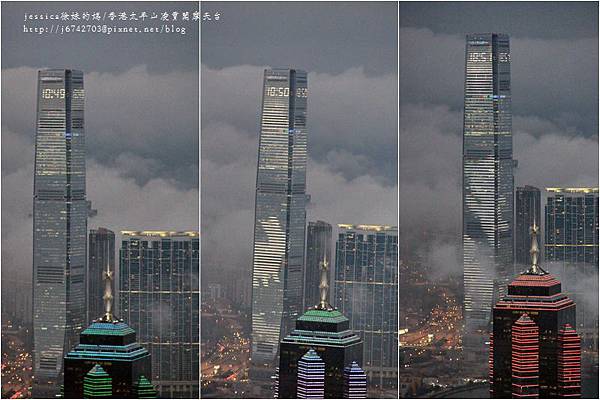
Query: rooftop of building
point(315, 315)
point(160, 233)
point(374, 228)
point(572, 190)
point(115, 328)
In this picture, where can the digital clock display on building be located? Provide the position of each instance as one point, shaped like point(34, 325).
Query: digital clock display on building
point(53, 93)
point(273, 91)
point(78, 94)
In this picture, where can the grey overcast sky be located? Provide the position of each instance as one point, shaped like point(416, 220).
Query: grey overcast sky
point(97, 52)
point(554, 82)
point(350, 53)
point(141, 121)
point(534, 20)
point(325, 37)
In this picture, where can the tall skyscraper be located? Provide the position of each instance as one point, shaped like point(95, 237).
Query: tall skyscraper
point(534, 351)
point(108, 361)
point(280, 214)
point(487, 177)
point(59, 225)
point(366, 291)
point(527, 208)
point(571, 251)
point(101, 253)
point(325, 333)
point(318, 247)
point(159, 296)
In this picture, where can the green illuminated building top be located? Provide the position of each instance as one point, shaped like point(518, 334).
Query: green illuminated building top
point(97, 384)
point(144, 389)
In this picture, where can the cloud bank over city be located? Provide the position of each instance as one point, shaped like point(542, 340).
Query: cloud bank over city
point(142, 156)
point(351, 121)
point(352, 165)
point(554, 80)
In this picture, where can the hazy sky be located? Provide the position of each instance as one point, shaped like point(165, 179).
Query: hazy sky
point(554, 82)
point(350, 53)
point(141, 122)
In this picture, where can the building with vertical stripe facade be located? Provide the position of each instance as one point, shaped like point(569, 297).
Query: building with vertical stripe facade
point(101, 253)
point(571, 251)
point(533, 349)
point(59, 225)
point(527, 209)
point(366, 292)
point(280, 213)
point(159, 299)
point(318, 247)
point(487, 176)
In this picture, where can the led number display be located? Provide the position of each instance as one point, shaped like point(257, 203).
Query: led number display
point(273, 91)
point(53, 93)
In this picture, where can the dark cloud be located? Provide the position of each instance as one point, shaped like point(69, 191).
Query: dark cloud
point(141, 123)
point(352, 157)
point(147, 123)
point(541, 20)
point(554, 82)
point(325, 37)
point(94, 51)
point(352, 117)
point(122, 203)
point(554, 79)
point(430, 164)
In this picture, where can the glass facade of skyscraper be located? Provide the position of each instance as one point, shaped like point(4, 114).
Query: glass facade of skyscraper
point(159, 299)
point(101, 253)
point(487, 176)
point(366, 291)
point(318, 248)
point(59, 225)
point(280, 212)
point(527, 208)
point(571, 251)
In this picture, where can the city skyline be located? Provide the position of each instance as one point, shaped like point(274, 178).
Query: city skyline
point(553, 148)
point(433, 138)
point(160, 171)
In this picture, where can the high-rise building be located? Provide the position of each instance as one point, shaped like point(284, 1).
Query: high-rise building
point(112, 345)
point(101, 253)
point(59, 225)
point(159, 297)
point(366, 291)
point(572, 226)
point(311, 376)
point(534, 351)
point(318, 247)
point(280, 214)
point(487, 177)
point(355, 382)
point(571, 251)
point(108, 361)
point(527, 209)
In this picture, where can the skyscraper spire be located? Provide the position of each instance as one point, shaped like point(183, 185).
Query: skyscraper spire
point(108, 296)
point(535, 268)
point(324, 286)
